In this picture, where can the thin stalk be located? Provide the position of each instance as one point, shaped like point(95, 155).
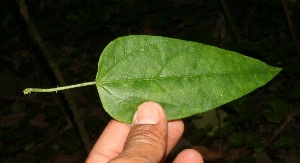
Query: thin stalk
point(291, 26)
point(48, 55)
point(29, 90)
point(230, 21)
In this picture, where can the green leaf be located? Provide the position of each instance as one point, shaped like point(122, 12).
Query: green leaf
point(185, 77)
point(257, 144)
point(225, 131)
point(237, 140)
point(283, 142)
point(278, 109)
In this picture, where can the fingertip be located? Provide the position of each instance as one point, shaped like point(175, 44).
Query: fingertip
point(175, 131)
point(147, 139)
point(151, 104)
point(110, 143)
point(149, 113)
point(190, 156)
point(176, 126)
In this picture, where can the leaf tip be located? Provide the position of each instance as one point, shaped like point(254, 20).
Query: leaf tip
point(277, 70)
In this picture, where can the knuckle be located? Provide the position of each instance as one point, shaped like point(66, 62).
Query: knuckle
point(147, 135)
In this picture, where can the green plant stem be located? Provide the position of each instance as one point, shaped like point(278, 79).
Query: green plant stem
point(47, 53)
point(29, 90)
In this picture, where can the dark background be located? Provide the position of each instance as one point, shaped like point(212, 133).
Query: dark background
point(262, 126)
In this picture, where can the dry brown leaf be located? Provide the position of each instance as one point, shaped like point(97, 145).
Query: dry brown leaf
point(39, 121)
point(207, 154)
point(236, 153)
point(11, 120)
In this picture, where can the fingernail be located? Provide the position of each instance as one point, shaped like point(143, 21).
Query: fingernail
point(147, 113)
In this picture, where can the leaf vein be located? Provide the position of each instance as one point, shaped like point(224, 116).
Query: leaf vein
point(173, 98)
point(126, 56)
point(177, 52)
point(110, 92)
point(174, 77)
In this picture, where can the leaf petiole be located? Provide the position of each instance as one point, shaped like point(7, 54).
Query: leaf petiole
point(29, 90)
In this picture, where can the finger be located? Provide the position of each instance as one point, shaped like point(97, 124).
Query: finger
point(110, 143)
point(147, 139)
point(190, 156)
point(175, 130)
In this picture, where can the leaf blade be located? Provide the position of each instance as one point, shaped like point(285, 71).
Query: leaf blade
point(185, 77)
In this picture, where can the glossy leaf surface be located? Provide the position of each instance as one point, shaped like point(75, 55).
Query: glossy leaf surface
point(185, 77)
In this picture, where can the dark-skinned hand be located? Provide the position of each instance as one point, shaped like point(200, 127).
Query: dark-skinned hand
point(149, 139)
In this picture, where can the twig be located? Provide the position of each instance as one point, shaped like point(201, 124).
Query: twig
point(278, 131)
point(230, 21)
point(291, 26)
point(33, 32)
point(68, 120)
point(50, 140)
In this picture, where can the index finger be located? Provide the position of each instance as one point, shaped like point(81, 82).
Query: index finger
point(110, 144)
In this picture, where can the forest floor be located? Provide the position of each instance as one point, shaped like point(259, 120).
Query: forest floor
point(260, 127)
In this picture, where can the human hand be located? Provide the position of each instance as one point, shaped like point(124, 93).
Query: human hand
point(148, 140)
